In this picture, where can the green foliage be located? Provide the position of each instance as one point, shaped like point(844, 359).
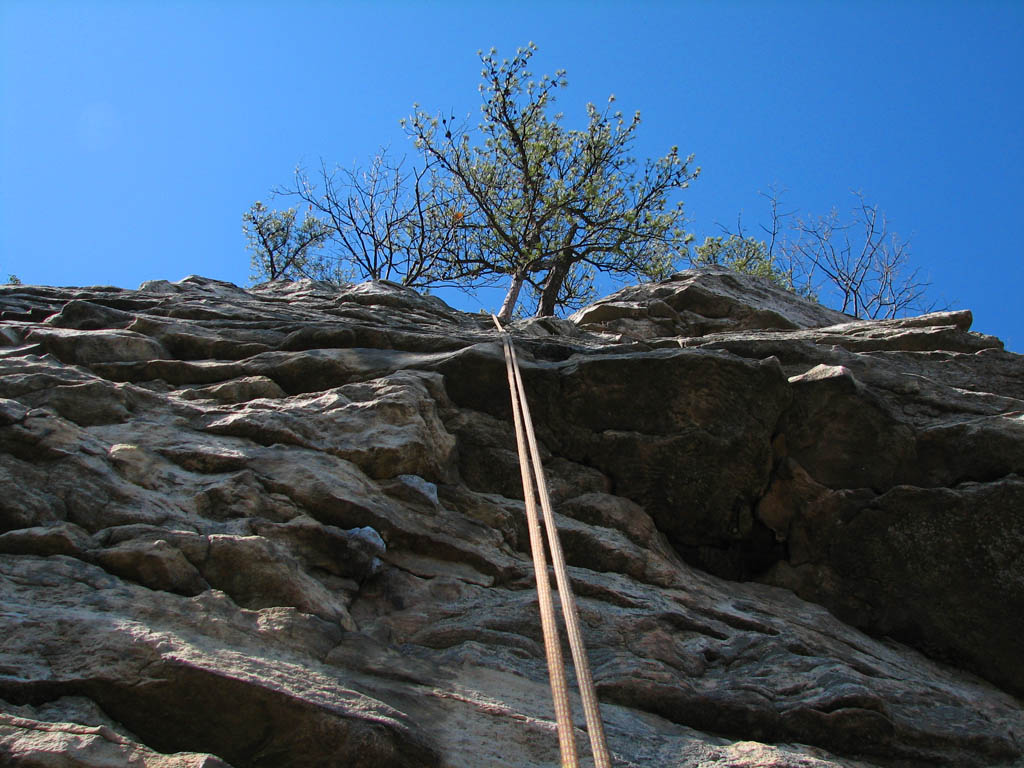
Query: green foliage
point(523, 199)
point(13, 279)
point(282, 250)
point(549, 206)
point(743, 254)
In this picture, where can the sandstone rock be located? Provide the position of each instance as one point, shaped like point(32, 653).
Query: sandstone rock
point(36, 742)
point(59, 539)
point(247, 706)
point(237, 391)
point(101, 346)
point(933, 567)
point(256, 574)
point(154, 564)
point(702, 301)
point(284, 527)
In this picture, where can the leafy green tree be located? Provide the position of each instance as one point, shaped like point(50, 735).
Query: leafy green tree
point(13, 279)
point(283, 250)
point(743, 254)
point(540, 204)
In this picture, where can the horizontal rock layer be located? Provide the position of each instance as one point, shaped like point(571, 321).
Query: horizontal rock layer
point(284, 527)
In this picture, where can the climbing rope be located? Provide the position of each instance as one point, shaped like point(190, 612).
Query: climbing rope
point(530, 469)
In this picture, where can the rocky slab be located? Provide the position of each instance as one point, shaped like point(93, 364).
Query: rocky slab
point(283, 527)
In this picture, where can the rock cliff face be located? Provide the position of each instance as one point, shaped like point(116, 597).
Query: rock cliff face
point(284, 527)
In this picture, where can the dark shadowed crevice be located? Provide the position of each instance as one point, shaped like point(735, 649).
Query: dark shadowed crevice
point(180, 708)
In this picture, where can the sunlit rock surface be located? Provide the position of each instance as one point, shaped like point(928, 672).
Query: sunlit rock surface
point(284, 527)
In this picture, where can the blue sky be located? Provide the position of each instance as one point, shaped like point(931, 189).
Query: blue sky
point(133, 135)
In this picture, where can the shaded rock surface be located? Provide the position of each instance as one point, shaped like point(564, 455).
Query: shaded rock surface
point(284, 527)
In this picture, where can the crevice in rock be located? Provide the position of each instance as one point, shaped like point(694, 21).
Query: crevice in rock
point(182, 708)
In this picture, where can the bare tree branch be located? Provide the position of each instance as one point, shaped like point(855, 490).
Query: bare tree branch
point(862, 266)
point(386, 222)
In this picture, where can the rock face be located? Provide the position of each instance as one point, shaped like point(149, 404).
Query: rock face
point(284, 527)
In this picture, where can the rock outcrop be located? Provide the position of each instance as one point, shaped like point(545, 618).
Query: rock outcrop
point(284, 527)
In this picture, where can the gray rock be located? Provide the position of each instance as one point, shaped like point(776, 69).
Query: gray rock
point(285, 527)
point(154, 564)
point(702, 301)
point(57, 735)
point(99, 346)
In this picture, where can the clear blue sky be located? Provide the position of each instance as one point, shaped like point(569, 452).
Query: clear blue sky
point(133, 135)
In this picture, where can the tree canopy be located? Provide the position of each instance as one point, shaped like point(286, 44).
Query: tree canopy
point(522, 199)
point(548, 206)
point(281, 248)
point(743, 254)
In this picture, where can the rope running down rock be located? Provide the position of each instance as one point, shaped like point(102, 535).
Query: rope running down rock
point(529, 459)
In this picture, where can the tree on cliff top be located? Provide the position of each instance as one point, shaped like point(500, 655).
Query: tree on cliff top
point(743, 254)
point(281, 248)
point(386, 221)
point(856, 265)
point(548, 206)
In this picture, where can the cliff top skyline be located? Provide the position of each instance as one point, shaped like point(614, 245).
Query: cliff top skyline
point(133, 137)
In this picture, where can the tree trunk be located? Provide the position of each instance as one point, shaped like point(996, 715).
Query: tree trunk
point(552, 287)
point(509, 305)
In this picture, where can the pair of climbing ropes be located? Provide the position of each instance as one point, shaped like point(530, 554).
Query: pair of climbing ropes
point(534, 488)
